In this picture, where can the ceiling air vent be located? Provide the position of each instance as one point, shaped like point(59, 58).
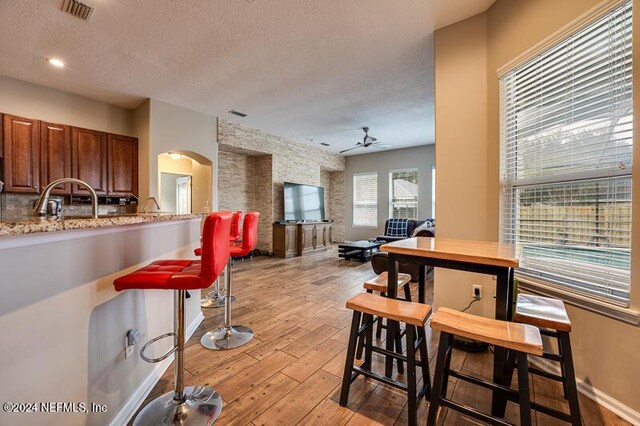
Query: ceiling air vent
point(77, 9)
point(238, 113)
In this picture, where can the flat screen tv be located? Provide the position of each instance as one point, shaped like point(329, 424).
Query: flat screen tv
point(303, 202)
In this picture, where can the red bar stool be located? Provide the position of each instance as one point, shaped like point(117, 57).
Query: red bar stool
point(232, 336)
point(216, 298)
point(185, 405)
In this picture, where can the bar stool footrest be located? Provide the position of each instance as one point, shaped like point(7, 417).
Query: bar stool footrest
point(155, 339)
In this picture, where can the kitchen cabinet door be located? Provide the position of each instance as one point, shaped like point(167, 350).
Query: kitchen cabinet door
point(89, 160)
point(123, 165)
point(21, 153)
point(55, 155)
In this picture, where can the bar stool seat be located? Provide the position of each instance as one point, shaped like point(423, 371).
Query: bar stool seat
point(381, 282)
point(550, 316)
point(365, 306)
point(520, 339)
point(542, 312)
point(509, 335)
point(185, 405)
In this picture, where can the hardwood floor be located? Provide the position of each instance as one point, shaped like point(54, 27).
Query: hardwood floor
point(290, 373)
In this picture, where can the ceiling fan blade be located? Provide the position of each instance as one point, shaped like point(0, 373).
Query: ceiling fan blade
point(350, 149)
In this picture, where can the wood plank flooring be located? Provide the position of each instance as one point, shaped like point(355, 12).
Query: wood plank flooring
point(290, 373)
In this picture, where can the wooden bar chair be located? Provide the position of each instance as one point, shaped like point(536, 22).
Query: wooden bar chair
point(380, 284)
point(550, 317)
point(522, 339)
point(365, 306)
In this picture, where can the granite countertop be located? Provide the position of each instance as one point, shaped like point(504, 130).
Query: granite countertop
point(33, 224)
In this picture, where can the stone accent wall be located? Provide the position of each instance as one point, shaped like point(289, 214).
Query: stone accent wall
point(278, 160)
point(337, 190)
point(235, 181)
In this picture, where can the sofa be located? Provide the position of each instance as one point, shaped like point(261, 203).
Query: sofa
point(428, 231)
point(380, 260)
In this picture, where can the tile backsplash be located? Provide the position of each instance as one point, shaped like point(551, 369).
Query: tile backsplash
point(17, 206)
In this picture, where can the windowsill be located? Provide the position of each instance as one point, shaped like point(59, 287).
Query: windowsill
point(628, 315)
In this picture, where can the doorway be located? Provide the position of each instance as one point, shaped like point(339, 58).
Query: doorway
point(176, 193)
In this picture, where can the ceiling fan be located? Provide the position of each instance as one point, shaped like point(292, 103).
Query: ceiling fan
point(367, 141)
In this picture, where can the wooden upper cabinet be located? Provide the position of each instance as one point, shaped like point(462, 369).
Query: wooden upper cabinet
point(89, 160)
point(123, 165)
point(55, 155)
point(21, 152)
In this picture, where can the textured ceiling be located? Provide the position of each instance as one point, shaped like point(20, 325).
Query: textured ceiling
point(303, 69)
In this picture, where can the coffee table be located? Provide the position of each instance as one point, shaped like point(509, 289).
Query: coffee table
point(359, 250)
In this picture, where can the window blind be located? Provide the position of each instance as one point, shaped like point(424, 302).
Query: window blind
point(365, 199)
point(566, 160)
point(403, 194)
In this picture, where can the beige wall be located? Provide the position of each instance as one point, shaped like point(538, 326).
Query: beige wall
point(279, 160)
point(172, 128)
point(467, 56)
point(32, 101)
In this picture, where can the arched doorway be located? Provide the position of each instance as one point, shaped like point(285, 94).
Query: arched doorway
point(184, 182)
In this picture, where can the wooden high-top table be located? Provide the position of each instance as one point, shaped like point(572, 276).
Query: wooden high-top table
point(498, 259)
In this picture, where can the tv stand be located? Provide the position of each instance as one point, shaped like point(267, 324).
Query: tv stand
point(300, 238)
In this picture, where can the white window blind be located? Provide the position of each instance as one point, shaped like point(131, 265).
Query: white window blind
point(365, 199)
point(403, 194)
point(566, 160)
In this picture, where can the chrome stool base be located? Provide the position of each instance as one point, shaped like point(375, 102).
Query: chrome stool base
point(215, 301)
point(227, 338)
point(202, 406)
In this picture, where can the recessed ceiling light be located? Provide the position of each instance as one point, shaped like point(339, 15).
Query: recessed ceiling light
point(56, 62)
point(175, 155)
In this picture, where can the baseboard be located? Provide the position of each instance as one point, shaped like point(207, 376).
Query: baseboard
point(137, 398)
point(601, 398)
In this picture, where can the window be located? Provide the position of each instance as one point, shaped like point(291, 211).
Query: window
point(365, 199)
point(566, 156)
point(403, 194)
point(433, 192)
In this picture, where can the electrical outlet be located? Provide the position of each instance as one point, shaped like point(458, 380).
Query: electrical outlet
point(477, 292)
point(130, 339)
point(128, 349)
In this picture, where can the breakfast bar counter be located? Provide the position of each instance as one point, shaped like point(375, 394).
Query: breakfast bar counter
point(64, 326)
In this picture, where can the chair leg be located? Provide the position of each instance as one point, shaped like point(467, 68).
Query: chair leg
point(368, 340)
point(348, 364)
point(398, 341)
point(380, 325)
point(570, 379)
point(563, 371)
point(447, 367)
point(523, 389)
point(407, 292)
point(436, 392)
point(361, 339)
point(424, 360)
point(411, 376)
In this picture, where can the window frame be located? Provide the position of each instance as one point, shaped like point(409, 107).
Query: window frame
point(603, 306)
point(408, 169)
point(353, 203)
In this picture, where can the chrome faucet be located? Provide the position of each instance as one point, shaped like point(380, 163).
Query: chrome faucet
point(41, 205)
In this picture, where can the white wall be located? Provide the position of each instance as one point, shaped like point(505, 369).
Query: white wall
point(63, 324)
point(421, 157)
